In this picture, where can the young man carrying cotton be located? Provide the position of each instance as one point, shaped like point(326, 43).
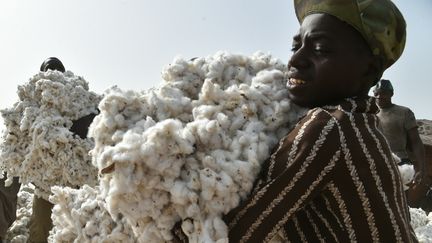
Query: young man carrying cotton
point(332, 179)
point(40, 221)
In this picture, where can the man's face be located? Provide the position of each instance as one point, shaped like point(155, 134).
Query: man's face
point(383, 98)
point(330, 62)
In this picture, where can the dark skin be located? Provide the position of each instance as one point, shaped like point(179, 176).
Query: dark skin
point(330, 62)
point(80, 127)
point(414, 143)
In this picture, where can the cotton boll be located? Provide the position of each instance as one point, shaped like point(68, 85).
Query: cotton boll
point(206, 111)
point(215, 70)
point(210, 162)
point(229, 73)
point(210, 91)
point(186, 141)
point(208, 181)
point(179, 193)
point(174, 103)
point(212, 126)
point(193, 210)
point(187, 227)
point(119, 119)
point(208, 231)
point(226, 189)
point(220, 228)
point(237, 122)
point(90, 228)
point(263, 149)
point(178, 66)
point(192, 178)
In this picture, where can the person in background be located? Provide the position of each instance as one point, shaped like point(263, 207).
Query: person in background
point(399, 126)
point(332, 178)
point(8, 205)
point(40, 221)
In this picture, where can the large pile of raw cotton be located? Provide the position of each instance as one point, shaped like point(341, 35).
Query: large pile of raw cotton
point(191, 148)
point(37, 144)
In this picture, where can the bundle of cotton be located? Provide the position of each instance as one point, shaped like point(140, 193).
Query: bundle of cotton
point(19, 232)
point(191, 148)
point(80, 215)
point(37, 144)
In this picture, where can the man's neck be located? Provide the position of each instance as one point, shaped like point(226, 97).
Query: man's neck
point(387, 106)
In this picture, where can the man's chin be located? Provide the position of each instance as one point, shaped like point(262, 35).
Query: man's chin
point(302, 103)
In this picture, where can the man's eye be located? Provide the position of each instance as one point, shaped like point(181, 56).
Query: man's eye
point(321, 50)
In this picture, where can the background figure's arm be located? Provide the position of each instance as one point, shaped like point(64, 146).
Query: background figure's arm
point(416, 150)
point(80, 127)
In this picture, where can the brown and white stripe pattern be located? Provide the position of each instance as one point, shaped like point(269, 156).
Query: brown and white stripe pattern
point(331, 180)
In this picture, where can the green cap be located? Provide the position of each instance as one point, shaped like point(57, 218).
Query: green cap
point(383, 85)
point(379, 22)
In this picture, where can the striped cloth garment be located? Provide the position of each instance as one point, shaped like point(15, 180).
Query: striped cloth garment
point(332, 179)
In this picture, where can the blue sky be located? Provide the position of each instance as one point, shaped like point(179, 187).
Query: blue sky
point(127, 43)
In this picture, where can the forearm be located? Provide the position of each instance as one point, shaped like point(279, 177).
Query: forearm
point(80, 126)
point(418, 159)
point(417, 151)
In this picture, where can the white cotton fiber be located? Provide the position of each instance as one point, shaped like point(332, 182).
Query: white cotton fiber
point(190, 148)
point(37, 145)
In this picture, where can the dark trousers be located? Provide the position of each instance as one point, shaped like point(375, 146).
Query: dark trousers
point(40, 221)
point(8, 205)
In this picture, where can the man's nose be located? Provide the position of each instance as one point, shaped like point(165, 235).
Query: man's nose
point(299, 59)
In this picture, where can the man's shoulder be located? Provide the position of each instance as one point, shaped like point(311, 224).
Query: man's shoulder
point(401, 108)
point(318, 121)
point(394, 110)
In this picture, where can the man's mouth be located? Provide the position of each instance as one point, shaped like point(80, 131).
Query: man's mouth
point(295, 81)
